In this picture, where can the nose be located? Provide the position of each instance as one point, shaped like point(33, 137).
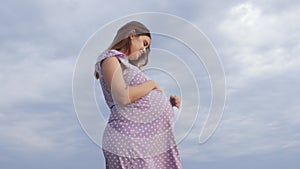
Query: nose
point(143, 50)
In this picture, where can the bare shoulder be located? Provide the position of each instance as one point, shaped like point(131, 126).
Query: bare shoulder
point(110, 64)
point(109, 60)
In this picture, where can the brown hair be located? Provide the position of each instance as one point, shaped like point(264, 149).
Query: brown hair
point(122, 41)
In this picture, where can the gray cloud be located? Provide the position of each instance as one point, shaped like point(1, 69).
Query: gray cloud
point(260, 116)
point(41, 39)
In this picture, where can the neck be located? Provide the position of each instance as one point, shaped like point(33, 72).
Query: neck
point(124, 51)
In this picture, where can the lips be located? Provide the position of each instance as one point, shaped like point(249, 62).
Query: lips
point(141, 52)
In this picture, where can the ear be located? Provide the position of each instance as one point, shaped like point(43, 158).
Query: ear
point(132, 34)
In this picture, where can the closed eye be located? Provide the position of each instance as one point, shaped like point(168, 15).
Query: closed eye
point(146, 43)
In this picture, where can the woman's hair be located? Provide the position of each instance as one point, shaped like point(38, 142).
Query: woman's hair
point(122, 42)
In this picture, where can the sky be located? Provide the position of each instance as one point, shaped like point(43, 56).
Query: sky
point(257, 43)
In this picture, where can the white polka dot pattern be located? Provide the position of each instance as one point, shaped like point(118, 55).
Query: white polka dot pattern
point(138, 135)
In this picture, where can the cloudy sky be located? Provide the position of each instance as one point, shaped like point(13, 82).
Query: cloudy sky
point(257, 43)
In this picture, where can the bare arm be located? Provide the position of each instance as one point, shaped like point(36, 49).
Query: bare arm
point(112, 73)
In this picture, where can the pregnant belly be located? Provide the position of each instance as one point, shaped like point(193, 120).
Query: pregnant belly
point(146, 109)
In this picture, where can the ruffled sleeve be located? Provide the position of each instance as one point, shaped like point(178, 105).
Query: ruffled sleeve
point(121, 56)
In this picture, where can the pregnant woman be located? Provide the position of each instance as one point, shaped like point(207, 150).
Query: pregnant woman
point(139, 132)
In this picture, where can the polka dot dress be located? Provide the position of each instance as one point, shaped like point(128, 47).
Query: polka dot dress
point(138, 135)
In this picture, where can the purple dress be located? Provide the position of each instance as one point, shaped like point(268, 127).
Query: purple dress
point(138, 135)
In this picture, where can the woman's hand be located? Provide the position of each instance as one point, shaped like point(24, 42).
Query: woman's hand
point(121, 93)
point(175, 101)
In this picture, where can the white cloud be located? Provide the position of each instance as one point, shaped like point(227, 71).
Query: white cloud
point(37, 105)
point(261, 56)
point(247, 24)
point(261, 42)
point(257, 46)
point(34, 74)
point(27, 134)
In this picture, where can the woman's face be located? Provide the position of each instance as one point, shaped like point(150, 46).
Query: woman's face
point(138, 46)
